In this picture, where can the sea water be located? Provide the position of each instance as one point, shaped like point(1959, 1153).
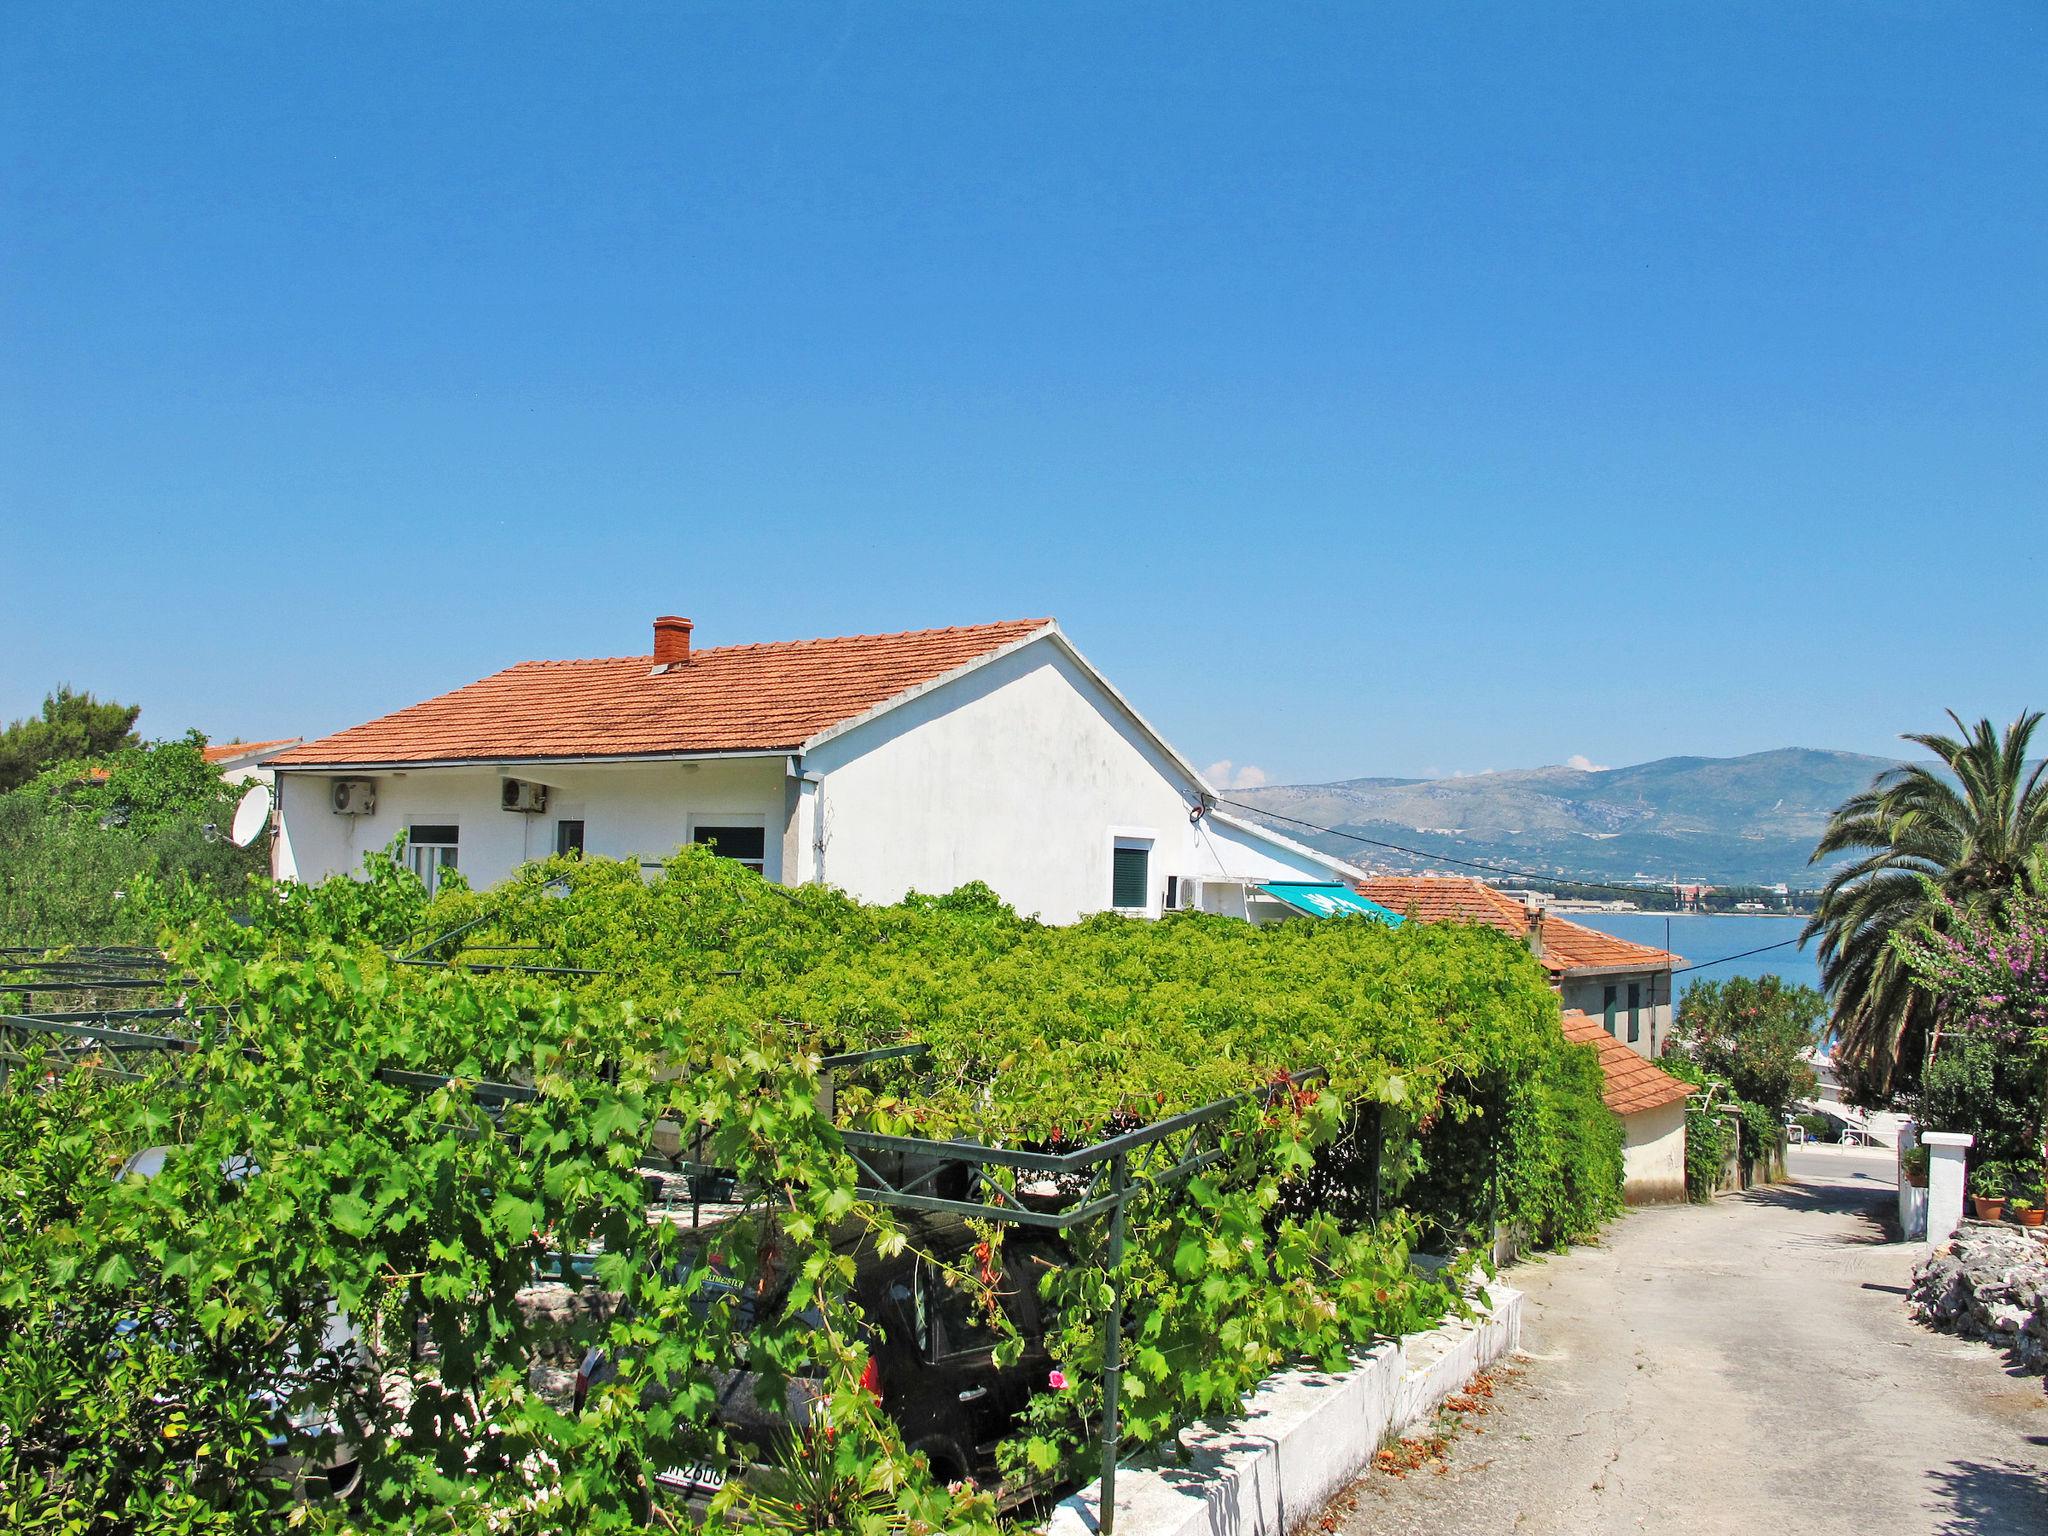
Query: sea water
point(1707, 940)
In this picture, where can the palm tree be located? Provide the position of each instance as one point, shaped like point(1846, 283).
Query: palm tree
point(1969, 835)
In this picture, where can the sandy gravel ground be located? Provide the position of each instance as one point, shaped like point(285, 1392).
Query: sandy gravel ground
point(1740, 1367)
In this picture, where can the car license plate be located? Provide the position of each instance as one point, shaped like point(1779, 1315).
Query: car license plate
point(694, 1476)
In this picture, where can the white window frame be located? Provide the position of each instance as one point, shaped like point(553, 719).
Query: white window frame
point(1136, 837)
point(769, 845)
point(417, 857)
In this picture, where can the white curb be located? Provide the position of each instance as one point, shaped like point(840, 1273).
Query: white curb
point(1305, 1434)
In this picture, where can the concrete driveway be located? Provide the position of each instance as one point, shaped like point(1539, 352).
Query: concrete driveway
point(1740, 1367)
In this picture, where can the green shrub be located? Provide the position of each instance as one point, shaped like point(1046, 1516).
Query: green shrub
point(1751, 1032)
point(76, 849)
point(1977, 1084)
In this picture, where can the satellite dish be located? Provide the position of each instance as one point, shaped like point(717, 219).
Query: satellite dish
point(252, 815)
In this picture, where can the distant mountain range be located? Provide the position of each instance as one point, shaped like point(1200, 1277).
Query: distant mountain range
point(1722, 820)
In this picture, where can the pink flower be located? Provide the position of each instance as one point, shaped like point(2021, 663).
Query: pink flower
point(1057, 1381)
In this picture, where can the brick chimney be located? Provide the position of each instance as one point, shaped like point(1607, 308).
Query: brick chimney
point(1535, 910)
point(671, 641)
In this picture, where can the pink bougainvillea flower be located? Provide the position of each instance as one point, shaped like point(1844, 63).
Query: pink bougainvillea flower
point(1057, 1381)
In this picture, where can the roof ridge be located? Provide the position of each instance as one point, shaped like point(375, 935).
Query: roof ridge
point(894, 634)
point(762, 696)
point(698, 652)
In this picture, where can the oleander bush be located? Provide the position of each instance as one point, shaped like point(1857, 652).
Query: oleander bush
point(154, 1333)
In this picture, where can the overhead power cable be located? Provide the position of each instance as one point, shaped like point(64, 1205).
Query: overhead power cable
point(1503, 869)
point(1744, 955)
point(1443, 858)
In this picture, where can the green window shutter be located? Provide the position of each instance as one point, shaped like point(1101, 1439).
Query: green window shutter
point(1607, 997)
point(1131, 878)
point(1635, 1010)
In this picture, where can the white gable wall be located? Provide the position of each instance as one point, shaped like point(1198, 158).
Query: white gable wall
point(1023, 773)
point(1653, 1155)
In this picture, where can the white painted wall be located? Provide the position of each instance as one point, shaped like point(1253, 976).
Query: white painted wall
point(1305, 1434)
point(1023, 774)
point(1653, 1155)
point(628, 810)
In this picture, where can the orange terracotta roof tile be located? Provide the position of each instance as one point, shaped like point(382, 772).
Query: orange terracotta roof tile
point(1567, 946)
point(731, 698)
point(222, 751)
point(1634, 1083)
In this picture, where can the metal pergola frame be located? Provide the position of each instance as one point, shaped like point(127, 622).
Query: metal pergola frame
point(902, 1172)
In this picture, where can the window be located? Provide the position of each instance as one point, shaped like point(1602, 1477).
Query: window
point(569, 838)
point(1635, 1011)
point(747, 845)
point(1607, 997)
point(428, 851)
point(1130, 880)
point(1172, 892)
point(964, 1328)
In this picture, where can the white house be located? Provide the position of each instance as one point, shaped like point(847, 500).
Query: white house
point(1650, 1104)
point(245, 762)
point(879, 764)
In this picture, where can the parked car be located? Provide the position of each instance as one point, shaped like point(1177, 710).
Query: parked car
point(931, 1361)
point(331, 1467)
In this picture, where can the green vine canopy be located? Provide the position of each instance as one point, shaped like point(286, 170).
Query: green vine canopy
point(167, 1343)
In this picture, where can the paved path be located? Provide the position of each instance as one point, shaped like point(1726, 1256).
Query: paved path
point(1740, 1367)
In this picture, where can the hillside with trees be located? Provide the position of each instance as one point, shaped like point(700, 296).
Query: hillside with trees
point(1750, 820)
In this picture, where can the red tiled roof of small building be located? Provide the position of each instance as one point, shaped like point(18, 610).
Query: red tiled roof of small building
point(722, 699)
point(1567, 946)
point(224, 751)
point(1634, 1083)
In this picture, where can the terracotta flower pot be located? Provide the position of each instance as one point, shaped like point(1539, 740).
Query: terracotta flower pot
point(2030, 1218)
point(1989, 1208)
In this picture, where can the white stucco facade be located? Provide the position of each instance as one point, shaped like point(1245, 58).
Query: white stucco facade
point(1653, 1155)
point(642, 811)
point(1023, 770)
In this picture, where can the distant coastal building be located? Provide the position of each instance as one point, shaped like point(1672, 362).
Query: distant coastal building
point(1626, 986)
point(880, 764)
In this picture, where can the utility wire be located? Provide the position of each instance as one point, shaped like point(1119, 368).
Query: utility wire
point(1765, 950)
point(1443, 858)
point(1502, 869)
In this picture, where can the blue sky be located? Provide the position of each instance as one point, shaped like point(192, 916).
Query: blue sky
point(1395, 389)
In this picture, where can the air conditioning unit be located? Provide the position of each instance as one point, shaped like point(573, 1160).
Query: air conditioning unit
point(1187, 896)
point(354, 797)
point(519, 795)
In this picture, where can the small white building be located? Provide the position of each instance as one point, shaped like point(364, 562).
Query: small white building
point(879, 764)
point(247, 762)
point(1650, 1103)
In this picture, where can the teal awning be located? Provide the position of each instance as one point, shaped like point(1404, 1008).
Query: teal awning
point(1328, 899)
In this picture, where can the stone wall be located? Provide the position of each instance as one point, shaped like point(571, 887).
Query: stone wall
point(1989, 1281)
